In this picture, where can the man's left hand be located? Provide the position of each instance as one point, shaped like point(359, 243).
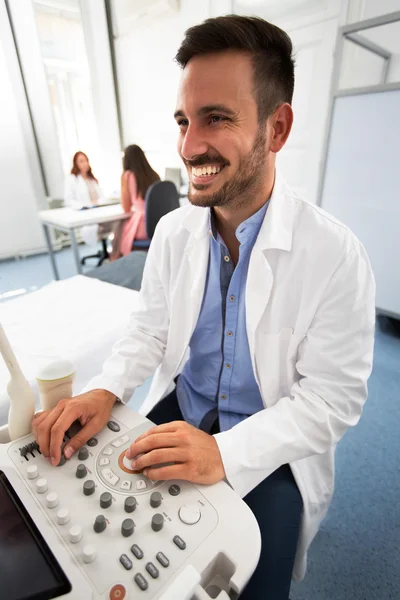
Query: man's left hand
point(195, 454)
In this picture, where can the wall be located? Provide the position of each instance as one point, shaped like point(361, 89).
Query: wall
point(20, 190)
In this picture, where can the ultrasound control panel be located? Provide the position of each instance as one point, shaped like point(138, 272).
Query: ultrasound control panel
point(123, 535)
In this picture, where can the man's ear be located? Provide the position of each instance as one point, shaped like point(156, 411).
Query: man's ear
point(281, 121)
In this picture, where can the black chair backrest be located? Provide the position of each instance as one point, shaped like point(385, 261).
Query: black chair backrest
point(161, 198)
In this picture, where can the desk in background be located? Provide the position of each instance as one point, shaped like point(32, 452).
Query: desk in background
point(68, 219)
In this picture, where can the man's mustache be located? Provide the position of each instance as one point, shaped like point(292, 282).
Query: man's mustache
point(207, 159)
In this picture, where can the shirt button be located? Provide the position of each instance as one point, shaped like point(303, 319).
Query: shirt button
point(223, 396)
point(226, 258)
point(228, 366)
point(230, 333)
point(232, 298)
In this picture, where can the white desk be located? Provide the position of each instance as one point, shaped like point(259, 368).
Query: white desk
point(79, 318)
point(68, 219)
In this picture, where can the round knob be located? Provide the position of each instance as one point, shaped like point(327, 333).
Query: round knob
point(75, 534)
point(130, 504)
point(100, 523)
point(81, 471)
point(105, 500)
point(32, 471)
point(52, 500)
point(83, 453)
point(127, 527)
point(155, 499)
point(89, 554)
point(89, 487)
point(157, 522)
point(189, 514)
point(63, 516)
point(41, 486)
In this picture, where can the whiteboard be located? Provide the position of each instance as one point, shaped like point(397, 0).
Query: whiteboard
point(361, 185)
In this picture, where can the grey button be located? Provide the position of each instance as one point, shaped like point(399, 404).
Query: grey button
point(157, 522)
point(152, 570)
point(136, 551)
point(63, 460)
point(178, 541)
point(127, 527)
point(162, 559)
point(130, 504)
point(81, 471)
point(141, 581)
point(174, 490)
point(89, 487)
point(100, 523)
point(92, 442)
point(126, 562)
point(113, 426)
point(83, 453)
point(155, 499)
point(24, 451)
point(105, 500)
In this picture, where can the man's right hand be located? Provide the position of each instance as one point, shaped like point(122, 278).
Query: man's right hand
point(92, 409)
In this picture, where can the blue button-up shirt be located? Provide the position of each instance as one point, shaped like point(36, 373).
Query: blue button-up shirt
point(218, 378)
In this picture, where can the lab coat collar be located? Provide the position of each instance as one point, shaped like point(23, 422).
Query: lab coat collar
point(277, 229)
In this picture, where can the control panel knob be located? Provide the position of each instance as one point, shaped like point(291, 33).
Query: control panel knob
point(130, 504)
point(157, 522)
point(83, 453)
point(155, 499)
point(75, 534)
point(32, 471)
point(63, 516)
point(81, 471)
point(100, 523)
point(52, 500)
point(105, 500)
point(189, 514)
point(89, 553)
point(41, 486)
point(127, 527)
point(88, 487)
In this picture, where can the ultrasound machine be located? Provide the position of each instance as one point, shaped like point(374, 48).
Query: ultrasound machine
point(92, 528)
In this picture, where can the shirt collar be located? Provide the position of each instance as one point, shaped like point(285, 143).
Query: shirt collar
point(249, 227)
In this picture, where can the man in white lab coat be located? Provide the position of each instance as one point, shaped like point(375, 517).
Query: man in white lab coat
point(273, 297)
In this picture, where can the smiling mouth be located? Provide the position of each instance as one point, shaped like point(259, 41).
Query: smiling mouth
point(206, 173)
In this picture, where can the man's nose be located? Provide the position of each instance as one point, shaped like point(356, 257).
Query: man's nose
point(193, 144)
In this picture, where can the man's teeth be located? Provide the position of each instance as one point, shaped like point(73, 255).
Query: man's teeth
point(202, 171)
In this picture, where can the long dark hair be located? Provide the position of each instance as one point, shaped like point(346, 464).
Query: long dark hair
point(136, 161)
point(75, 169)
point(270, 48)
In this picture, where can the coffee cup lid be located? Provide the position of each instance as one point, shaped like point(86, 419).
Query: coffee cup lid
point(57, 369)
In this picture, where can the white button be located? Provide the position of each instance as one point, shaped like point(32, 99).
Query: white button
point(75, 534)
point(189, 514)
point(126, 485)
point(110, 476)
point(108, 451)
point(89, 554)
point(120, 441)
point(226, 258)
point(41, 486)
point(104, 462)
point(52, 499)
point(141, 484)
point(63, 516)
point(32, 471)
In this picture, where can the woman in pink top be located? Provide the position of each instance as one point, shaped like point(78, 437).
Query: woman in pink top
point(135, 180)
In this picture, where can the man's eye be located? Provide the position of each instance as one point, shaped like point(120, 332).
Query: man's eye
point(182, 122)
point(217, 119)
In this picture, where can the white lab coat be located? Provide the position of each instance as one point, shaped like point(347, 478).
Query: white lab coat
point(76, 196)
point(310, 314)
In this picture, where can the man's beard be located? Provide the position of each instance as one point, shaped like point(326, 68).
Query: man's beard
point(246, 182)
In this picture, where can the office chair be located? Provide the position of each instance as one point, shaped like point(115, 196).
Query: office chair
point(160, 199)
point(102, 254)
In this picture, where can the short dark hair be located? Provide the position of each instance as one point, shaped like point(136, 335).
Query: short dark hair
point(271, 49)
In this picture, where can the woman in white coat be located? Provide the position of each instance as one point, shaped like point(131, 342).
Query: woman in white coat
point(81, 191)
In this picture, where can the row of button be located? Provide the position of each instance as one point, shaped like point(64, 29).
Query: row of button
point(150, 567)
